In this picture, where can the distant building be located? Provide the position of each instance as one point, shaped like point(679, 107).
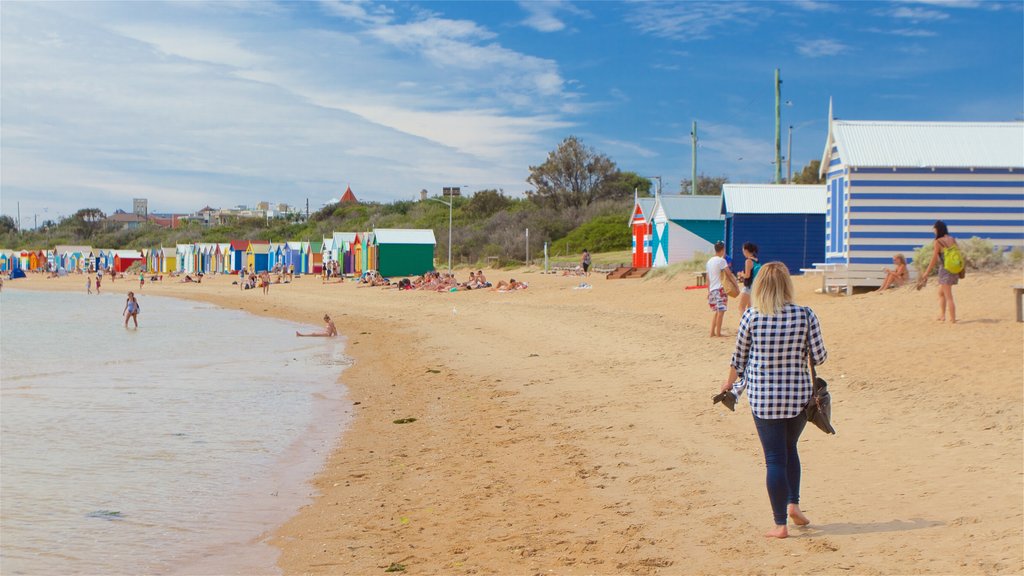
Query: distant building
point(125, 220)
point(348, 197)
point(140, 207)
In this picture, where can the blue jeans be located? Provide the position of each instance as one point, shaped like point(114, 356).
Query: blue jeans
point(778, 439)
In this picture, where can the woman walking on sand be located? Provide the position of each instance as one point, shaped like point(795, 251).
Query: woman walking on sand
point(943, 242)
point(131, 310)
point(774, 341)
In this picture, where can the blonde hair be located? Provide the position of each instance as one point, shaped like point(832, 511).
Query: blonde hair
point(901, 258)
point(773, 288)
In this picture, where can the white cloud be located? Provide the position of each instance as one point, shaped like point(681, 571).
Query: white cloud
point(819, 48)
point(630, 147)
point(814, 5)
point(693, 20)
point(102, 105)
point(357, 10)
point(915, 14)
point(542, 16)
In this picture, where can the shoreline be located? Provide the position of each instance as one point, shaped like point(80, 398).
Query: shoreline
point(572, 430)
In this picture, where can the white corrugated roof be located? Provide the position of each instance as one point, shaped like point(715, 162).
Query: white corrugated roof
point(927, 144)
point(349, 237)
point(774, 198)
point(688, 207)
point(404, 236)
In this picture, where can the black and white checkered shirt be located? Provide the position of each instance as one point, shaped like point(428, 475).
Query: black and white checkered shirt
point(771, 358)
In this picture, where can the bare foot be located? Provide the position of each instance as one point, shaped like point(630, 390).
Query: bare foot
point(797, 516)
point(779, 532)
point(940, 319)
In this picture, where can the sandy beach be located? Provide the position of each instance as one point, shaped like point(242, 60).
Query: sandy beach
point(571, 431)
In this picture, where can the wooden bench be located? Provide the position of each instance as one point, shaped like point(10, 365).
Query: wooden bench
point(1018, 296)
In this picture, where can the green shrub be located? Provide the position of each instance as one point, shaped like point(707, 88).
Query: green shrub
point(602, 234)
point(981, 254)
point(1016, 257)
point(922, 256)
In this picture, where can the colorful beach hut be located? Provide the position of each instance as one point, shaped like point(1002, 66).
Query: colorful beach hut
point(316, 257)
point(684, 226)
point(888, 182)
point(123, 259)
point(786, 221)
point(403, 252)
point(641, 229)
point(6, 260)
point(257, 255)
point(237, 256)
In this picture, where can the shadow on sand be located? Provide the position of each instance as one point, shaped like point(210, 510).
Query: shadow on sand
point(847, 528)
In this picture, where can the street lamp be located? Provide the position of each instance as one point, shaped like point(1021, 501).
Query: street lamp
point(449, 205)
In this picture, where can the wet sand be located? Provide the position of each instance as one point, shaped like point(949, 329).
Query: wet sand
point(571, 431)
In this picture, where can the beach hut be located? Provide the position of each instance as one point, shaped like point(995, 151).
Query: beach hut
point(343, 244)
point(327, 252)
point(257, 255)
point(402, 252)
point(316, 257)
point(640, 227)
point(236, 255)
point(370, 249)
point(888, 182)
point(6, 260)
point(222, 257)
point(168, 259)
point(123, 259)
point(357, 254)
point(684, 226)
point(786, 221)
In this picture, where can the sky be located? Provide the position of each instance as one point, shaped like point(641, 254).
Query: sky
point(221, 104)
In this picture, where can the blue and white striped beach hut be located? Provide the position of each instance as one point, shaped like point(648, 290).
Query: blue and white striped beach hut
point(888, 182)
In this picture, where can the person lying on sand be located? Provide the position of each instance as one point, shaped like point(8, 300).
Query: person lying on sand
point(509, 286)
point(329, 330)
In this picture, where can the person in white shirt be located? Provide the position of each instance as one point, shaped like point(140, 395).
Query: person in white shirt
point(718, 301)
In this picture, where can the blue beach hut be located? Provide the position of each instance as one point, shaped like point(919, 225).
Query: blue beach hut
point(786, 221)
point(888, 182)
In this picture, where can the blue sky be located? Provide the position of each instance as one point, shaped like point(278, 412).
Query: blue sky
point(230, 103)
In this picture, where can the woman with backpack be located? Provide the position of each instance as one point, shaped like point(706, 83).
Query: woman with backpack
point(950, 270)
point(750, 270)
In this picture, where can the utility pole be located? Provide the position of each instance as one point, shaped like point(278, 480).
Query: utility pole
point(693, 167)
point(307, 209)
point(19, 217)
point(778, 127)
point(789, 158)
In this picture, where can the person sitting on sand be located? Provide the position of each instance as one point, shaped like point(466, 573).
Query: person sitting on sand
point(897, 277)
point(329, 330)
point(187, 278)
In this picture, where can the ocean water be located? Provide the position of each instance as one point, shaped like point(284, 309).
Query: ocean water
point(174, 448)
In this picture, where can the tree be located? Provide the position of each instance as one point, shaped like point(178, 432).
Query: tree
point(573, 175)
point(809, 175)
point(85, 222)
point(622, 185)
point(706, 186)
point(7, 224)
point(486, 202)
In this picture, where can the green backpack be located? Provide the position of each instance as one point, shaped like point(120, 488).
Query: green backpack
point(953, 260)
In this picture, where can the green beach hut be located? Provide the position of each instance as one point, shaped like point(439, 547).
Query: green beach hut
point(404, 252)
